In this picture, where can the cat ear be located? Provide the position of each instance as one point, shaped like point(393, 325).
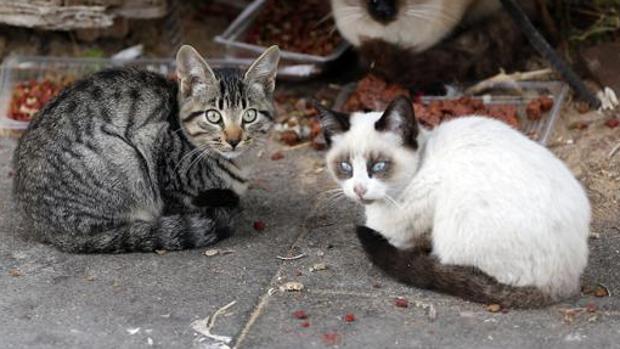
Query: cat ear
point(332, 122)
point(399, 118)
point(195, 75)
point(264, 69)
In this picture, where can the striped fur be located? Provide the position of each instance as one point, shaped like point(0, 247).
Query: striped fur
point(109, 165)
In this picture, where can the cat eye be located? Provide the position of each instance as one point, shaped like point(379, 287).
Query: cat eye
point(379, 167)
point(213, 116)
point(346, 167)
point(249, 116)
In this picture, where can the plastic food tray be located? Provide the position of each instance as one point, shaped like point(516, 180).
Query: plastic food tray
point(538, 130)
point(16, 69)
point(294, 65)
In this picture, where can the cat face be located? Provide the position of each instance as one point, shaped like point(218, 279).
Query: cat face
point(372, 155)
point(226, 110)
point(412, 24)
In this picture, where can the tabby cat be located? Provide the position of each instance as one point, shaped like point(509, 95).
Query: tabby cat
point(127, 160)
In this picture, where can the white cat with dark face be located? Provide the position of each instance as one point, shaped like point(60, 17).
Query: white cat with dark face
point(413, 24)
point(489, 197)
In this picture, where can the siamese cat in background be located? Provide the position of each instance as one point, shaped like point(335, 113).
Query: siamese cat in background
point(472, 208)
point(422, 43)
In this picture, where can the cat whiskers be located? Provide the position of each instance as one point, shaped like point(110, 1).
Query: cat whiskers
point(430, 14)
point(329, 198)
point(189, 154)
point(323, 20)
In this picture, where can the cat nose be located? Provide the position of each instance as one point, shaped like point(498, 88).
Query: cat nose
point(233, 142)
point(360, 190)
point(382, 10)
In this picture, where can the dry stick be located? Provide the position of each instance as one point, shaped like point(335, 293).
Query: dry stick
point(299, 256)
point(205, 326)
point(543, 47)
point(509, 79)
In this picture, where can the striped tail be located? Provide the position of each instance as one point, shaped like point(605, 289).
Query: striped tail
point(172, 232)
point(420, 269)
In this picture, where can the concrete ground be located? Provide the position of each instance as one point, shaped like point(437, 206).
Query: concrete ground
point(50, 299)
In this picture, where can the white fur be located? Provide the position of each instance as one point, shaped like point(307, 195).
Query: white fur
point(420, 23)
point(489, 196)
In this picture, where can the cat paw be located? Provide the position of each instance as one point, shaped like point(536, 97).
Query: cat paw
point(214, 198)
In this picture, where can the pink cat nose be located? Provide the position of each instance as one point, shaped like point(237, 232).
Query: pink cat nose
point(360, 190)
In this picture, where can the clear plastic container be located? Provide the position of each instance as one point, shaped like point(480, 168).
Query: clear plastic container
point(293, 65)
point(539, 130)
point(16, 69)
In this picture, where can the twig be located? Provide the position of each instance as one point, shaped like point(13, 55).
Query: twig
point(297, 146)
point(507, 79)
point(299, 256)
point(205, 325)
point(613, 151)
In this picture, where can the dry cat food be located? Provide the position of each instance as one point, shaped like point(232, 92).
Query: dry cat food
point(298, 26)
point(536, 107)
point(372, 93)
point(30, 96)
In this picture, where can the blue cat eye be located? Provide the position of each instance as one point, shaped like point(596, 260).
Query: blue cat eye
point(346, 167)
point(379, 166)
point(250, 115)
point(213, 116)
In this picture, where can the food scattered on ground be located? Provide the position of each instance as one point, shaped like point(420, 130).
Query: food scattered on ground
point(292, 286)
point(401, 302)
point(330, 338)
point(259, 225)
point(298, 26)
point(494, 308)
point(349, 317)
point(290, 137)
point(14, 272)
point(30, 96)
point(318, 267)
point(570, 315)
point(277, 156)
point(300, 314)
point(298, 121)
point(612, 123)
point(601, 291)
point(579, 125)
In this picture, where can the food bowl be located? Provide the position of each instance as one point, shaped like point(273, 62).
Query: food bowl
point(539, 130)
point(293, 65)
point(17, 70)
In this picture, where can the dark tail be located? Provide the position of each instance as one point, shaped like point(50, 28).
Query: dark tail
point(420, 269)
point(173, 232)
